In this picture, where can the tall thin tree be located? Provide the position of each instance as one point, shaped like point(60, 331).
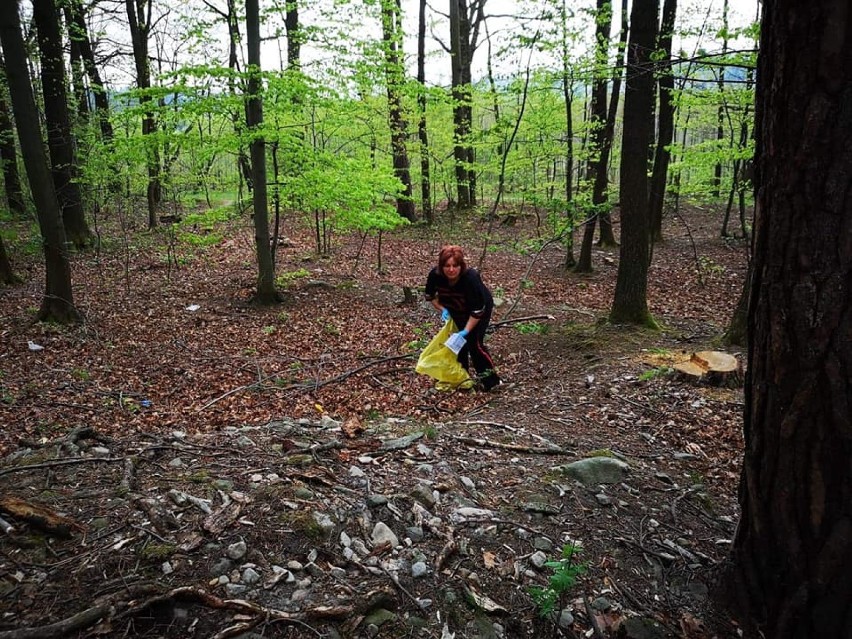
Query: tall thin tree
point(422, 131)
point(392, 36)
point(8, 151)
point(266, 292)
point(665, 120)
point(139, 18)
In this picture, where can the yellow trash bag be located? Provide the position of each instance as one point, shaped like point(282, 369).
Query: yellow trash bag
point(440, 363)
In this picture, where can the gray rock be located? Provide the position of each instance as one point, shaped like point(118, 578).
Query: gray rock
point(604, 499)
point(250, 576)
point(294, 566)
point(538, 559)
point(543, 543)
point(381, 534)
point(221, 567)
point(235, 590)
point(374, 501)
point(642, 628)
point(419, 569)
point(237, 551)
point(596, 470)
point(401, 442)
point(325, 523)
point(177, 462)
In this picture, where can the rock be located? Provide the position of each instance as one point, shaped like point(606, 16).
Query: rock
point(538, 559)
point(596, 470)
point(374, 501)
point(379, 616)
point(401, 442)
point(640, 628)
point(419, 569)
point(222, 567)
point(237, 551)
point(250, 576)
point(382, 534)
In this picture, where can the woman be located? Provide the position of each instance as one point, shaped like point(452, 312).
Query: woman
point(457, 292)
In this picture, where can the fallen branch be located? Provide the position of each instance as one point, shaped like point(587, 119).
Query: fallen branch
point(518, 320)
point(536, 450)
point(79, 621)
point(59, 462)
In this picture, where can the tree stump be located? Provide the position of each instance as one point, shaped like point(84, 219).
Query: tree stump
point(713, 368)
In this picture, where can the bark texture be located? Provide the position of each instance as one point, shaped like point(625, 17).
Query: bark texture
point(630, 302)
point(793, 550)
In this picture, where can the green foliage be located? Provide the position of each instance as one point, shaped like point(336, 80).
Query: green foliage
point(287, 278)
point(532, 327)
point(564, 575)
point(653, 373)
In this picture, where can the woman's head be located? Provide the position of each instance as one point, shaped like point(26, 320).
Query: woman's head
point(451, 261)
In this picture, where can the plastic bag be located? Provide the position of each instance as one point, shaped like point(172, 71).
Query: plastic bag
point(440, 363)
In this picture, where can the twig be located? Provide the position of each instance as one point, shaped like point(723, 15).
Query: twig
point(549, 450)
point(517, 320)
point(596, 627)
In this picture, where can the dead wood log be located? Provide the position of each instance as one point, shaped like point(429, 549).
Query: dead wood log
point(714, 368)
point(39, 516)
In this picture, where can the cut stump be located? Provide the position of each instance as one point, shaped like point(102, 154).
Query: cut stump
point(713, 368)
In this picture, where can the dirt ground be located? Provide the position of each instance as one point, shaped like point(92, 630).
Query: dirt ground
point(285, 422)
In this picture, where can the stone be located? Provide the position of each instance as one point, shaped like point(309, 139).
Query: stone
point(382, 534)
point(596, 470)
point(237, 550)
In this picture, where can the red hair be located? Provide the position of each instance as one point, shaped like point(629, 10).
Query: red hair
point(451, 251)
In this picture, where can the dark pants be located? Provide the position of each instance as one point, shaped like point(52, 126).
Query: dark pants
point(474, 350)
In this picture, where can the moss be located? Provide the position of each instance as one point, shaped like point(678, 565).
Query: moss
point(157, 551)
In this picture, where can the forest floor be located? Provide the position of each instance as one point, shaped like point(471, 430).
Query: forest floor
point(188, 464)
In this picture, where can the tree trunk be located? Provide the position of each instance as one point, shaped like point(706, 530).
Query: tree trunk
point(567, 92)
point(597, 126)
point(7, 275)
point(630, 303)
point(665, 120)
point(792, 554)
point(8, 153)
point(80, 35)
point(463, 37)
point(266, 292)
point(737, 333)
point(140, 27)
point(607, 237)
point(58, 302)
point(720, 115)
point(422, 132)
point(394, 73)
point(60, 140)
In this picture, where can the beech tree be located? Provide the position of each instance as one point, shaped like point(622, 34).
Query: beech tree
point(8, 153)
point(60, 140)
point(392, 36)
point(792, 554)
point(630, 302)
point(266, 292)
point(58, 302)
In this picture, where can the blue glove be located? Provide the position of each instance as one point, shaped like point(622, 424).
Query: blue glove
point(445, 315)
point(463, 332)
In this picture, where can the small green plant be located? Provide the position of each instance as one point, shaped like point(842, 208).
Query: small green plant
point(527, 284)
point(565, 573)
point(660, 371)
point(269, 330)
point(526, 328)
point(81, 375)
point(709, 267)
point(286, 279)
point(423, 334)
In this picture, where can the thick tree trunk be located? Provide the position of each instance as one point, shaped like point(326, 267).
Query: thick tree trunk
point(630, 302)
point(394, 75)
point(792, 553)
point(60, 140)
point(266, 292)
point(58, 302)
point(665, 123)
point(8, 153)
